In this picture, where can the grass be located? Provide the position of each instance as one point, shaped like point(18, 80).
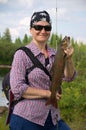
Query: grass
point(2, 122)
point(76, 119)
point(78, 125)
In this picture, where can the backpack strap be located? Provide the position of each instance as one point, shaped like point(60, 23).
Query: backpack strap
point(35, 61)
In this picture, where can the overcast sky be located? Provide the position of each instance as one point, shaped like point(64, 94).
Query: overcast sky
point(70, 19)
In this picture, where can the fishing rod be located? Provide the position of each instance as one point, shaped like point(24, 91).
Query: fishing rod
point(56, 24)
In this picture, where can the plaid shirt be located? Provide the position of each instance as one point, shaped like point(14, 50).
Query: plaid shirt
point(32, 110)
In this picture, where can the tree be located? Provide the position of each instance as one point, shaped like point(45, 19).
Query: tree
point(25, 40)
point(7, 36)
point(55, 40)
point(18, 41)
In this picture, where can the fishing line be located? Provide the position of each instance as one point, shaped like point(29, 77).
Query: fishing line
point(56, 24)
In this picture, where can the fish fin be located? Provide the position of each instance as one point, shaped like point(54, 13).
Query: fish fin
point(52, 102)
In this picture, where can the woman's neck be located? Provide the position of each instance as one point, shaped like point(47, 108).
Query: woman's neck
point(42, 47)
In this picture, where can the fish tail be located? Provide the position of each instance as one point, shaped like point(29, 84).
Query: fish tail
point(52, 102)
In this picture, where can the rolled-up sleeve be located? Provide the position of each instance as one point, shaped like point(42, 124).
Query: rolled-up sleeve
point(17, 74)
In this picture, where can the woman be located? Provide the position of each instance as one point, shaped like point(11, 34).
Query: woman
point(32, 113)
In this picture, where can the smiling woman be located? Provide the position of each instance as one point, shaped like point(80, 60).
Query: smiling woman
point(32, 112)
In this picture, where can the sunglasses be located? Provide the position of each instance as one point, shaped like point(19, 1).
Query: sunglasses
point(40, 27)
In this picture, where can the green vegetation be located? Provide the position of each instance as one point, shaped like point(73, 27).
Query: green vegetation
point(73, 102)
point(2, 122)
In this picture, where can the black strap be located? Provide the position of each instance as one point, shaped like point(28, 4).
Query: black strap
point(27, 72)
point(35, 61)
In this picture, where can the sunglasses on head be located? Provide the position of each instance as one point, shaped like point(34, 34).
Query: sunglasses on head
point(40, 27)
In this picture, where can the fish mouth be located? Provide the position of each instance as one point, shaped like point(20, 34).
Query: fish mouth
point(65, 42)
point(68, 38)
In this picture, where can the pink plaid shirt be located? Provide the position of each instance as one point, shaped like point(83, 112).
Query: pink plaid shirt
point(32, 110)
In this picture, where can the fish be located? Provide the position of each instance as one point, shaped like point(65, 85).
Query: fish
point(57, 71)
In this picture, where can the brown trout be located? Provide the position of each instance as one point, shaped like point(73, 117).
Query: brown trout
point(57, 71)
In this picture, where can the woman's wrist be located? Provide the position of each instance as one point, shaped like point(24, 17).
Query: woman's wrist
point(69, 58)
point(48, 93)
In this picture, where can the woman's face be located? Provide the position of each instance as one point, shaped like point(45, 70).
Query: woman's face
point(41, 31)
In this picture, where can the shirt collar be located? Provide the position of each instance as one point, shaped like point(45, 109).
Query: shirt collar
point(36, 50)
point(51, 51)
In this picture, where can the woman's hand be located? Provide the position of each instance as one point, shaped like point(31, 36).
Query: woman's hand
point(58, 96)
point(48, 94)
point(69, 51)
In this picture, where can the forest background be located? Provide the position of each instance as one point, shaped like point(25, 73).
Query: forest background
point(73, 102)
